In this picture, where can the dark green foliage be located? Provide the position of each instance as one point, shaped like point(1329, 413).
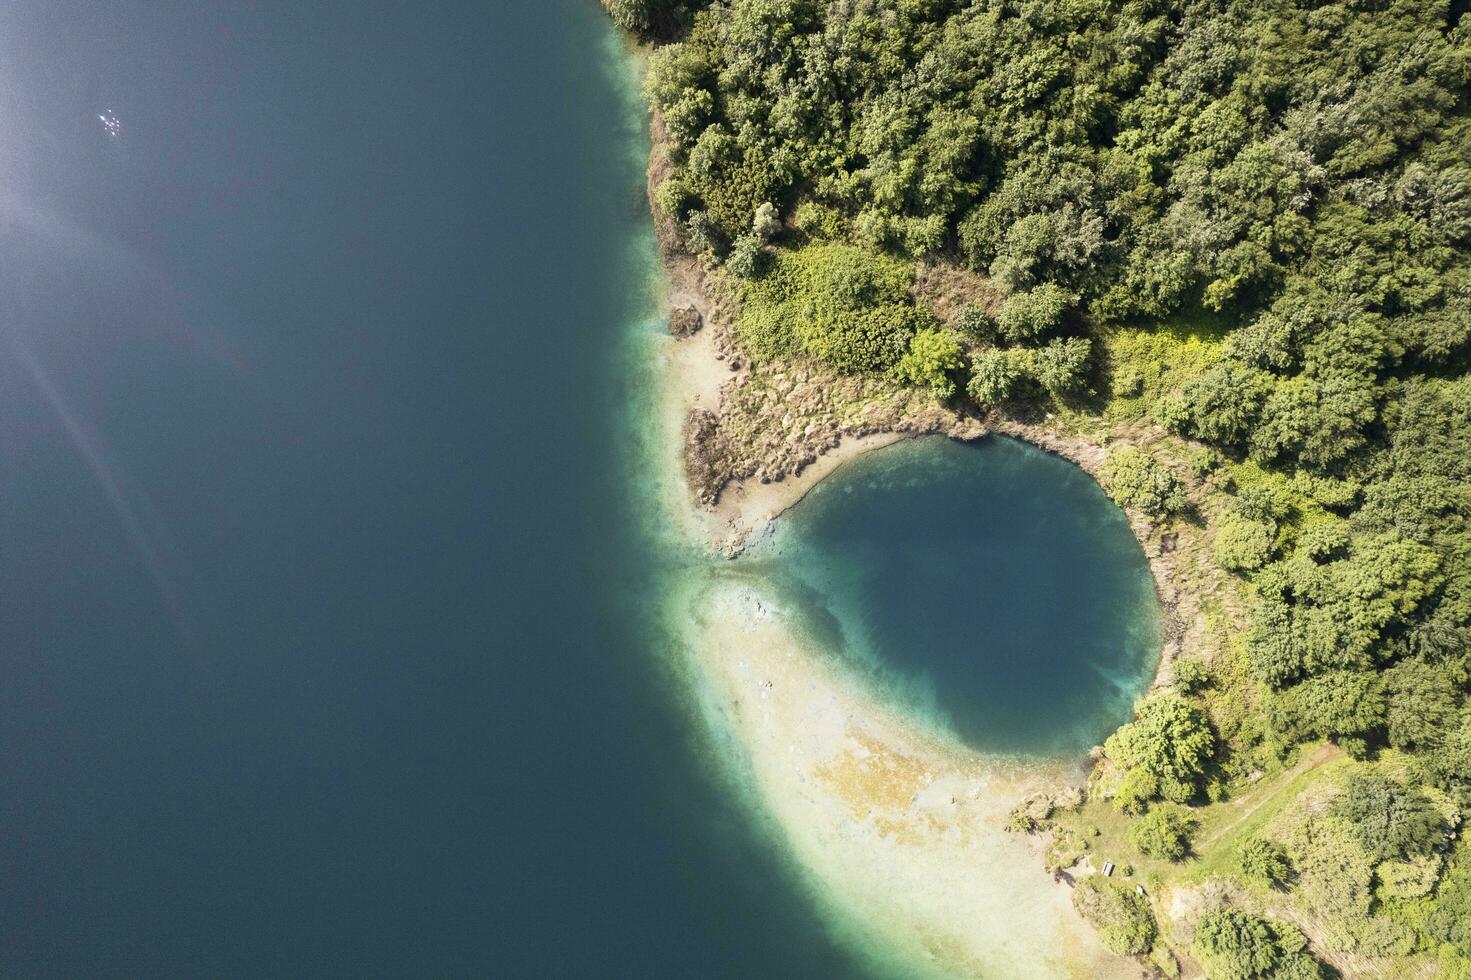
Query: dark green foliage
point(1264, 861)
point(1236, 946)
point(1134, 479)
point(649, 18)
point(1390, 820)
point(1121, 916)
point(1163, 832)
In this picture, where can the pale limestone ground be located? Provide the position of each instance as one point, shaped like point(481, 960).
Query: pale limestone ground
point(898, 830)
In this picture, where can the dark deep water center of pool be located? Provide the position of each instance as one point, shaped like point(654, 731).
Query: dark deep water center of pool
point(991, 585)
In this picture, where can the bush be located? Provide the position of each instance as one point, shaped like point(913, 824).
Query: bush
point(1134, 479)
point(1163, 832)
point(1263, 861)
point(1389, 820)
point(1168, 738)
point(1062, 365)
point(1242, 545)
point(975, 324)
point(1236, 946)
point(995, 375)
point(1122, 916)
point(675, 199)
point(746, 258)
point(840, 304)
point(1190, 675)
point(932, 356)
point(1026, 316)
point(767, 223)
point(1136, 789)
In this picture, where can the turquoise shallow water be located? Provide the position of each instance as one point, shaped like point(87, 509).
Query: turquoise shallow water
point(991, 584)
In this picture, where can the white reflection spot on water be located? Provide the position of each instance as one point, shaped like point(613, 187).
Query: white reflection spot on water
point(111, 123)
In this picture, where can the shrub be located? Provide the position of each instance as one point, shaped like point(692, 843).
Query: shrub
point(767, 223)
point(1237, 946)
point(1062, 365)
point(995, 375)
point(1242, 545)
point(1163, 832)
point(1025, 316)
point(848, 307)
point(932, 356)
point(1190, 675)
point(1263, 861)
point(675, 199)
point(1134, 479)
point(746, 258)
point(1168, 738)
point(1122, 916)
point(1389, 820)
point(975, 324)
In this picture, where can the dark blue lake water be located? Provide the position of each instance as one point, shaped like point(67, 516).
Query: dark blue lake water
point(328, 642)
point(321, 639)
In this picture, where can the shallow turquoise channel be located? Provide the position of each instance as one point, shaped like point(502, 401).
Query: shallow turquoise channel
point(992, 585)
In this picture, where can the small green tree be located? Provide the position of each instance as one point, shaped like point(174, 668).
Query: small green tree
point(996, 375)
point(1061, 365)
point(767, 223)
point(1263, 861)
point(746, 257)
point(1028, 315)
point(1133, 478)
point(1242, 545)
point(1163, 832)
point(932, 357)
point(1189, 675)
point(1122, 916)
point(1168, 738)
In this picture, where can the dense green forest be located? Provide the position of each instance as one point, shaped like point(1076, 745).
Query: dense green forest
point(1246, 223)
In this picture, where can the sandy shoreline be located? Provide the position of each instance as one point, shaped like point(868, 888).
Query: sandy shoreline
point(896, 829)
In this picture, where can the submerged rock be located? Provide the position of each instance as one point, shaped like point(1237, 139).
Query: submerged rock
point(685, 322)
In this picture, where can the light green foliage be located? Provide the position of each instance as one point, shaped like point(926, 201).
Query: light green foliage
point(1033, 314)
point(996, 375)
point(675, 199)
point(1170, 740)
point(1450, 922)
point(1242, 544)
point(1122, 917)
point(1189, 675)
point(746, 258)
point(766, 225)
point(1163, 832)
point(1135, 790)
point(1061, 365)
point(932, 359)
point(836, 303)
point(1234, 945)
point(1134, 479)
point(1263, 861)
point(1408, 879)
